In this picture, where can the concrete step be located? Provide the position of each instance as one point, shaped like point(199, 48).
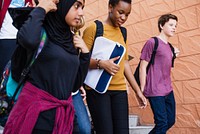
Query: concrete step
point(136, 128)
point(133, 120)
point(140, 129)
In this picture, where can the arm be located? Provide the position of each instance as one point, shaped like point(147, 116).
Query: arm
point(128, 74)
point(107, 65)
point(145, 57)
point(84, 61)
point(25, 35)
point(142, 72)
point(82, 72)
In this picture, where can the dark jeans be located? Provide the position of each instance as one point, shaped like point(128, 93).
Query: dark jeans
point(109, 111)
point(164, 111)
point(7, 47)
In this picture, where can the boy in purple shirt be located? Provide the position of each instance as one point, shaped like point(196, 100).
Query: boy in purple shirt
point(156, 83)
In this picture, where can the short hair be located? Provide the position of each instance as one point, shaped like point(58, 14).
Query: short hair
point(115, 2)
point(165, 18)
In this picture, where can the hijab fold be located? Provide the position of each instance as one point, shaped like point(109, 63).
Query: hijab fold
point(57, 29)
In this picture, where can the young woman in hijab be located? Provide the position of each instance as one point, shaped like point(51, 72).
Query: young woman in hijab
point(45, 103)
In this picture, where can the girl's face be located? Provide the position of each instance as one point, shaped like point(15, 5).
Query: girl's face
point(119, 14)
point(169, 27)
point(75, 13)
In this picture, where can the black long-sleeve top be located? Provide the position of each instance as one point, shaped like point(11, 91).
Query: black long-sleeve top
point(56, 70)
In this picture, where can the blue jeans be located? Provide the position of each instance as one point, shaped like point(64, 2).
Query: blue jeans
point(164, 111)
point(81, 116)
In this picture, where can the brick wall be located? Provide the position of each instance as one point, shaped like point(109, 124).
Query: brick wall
point(141, 25)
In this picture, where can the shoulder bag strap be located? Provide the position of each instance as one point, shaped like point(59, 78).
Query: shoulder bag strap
point(99, 31)
point(173, 52)
point(27, 69)
point(151, 62)
point(154, 50)
point(124, 33)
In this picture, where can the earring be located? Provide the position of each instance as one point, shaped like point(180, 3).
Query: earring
point(82, 22)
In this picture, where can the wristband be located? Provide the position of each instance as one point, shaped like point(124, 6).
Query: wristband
point(98, 65)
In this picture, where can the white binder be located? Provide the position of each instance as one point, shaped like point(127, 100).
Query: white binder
point(104, 49)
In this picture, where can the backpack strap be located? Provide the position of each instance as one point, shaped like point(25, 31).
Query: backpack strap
point(41, 45)
point(124, 33)
point(99, 31)
point(174, 55)
point(27, 69)
point(99, 28)
point(151, 62)
point(154, 50)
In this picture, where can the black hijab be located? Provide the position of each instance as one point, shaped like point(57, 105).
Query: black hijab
point(57, 29)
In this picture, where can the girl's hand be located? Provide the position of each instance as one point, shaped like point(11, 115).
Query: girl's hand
point(83, 92)
point(48, 5)
point(79, 43)
point(141, 99)
point(110, 66)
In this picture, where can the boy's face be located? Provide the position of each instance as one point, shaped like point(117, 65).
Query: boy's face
point(169, 27)
point(119, 14)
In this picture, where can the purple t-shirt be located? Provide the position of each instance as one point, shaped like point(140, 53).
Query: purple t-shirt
point(158, 81)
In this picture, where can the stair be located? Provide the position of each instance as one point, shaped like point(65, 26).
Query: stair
point(134, 125)
point(136, 128)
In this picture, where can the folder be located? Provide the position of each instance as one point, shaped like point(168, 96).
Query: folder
point(104, 49)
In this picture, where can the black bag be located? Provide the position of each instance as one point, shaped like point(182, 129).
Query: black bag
point(151, 62)
point(19, 15)
point(19, 65)
point(19, 61)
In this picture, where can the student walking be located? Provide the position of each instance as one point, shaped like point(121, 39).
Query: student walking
point(45, 103)
point(156, 83)
point(109, 111)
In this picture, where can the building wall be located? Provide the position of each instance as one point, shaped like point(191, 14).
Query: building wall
point(141, 25)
